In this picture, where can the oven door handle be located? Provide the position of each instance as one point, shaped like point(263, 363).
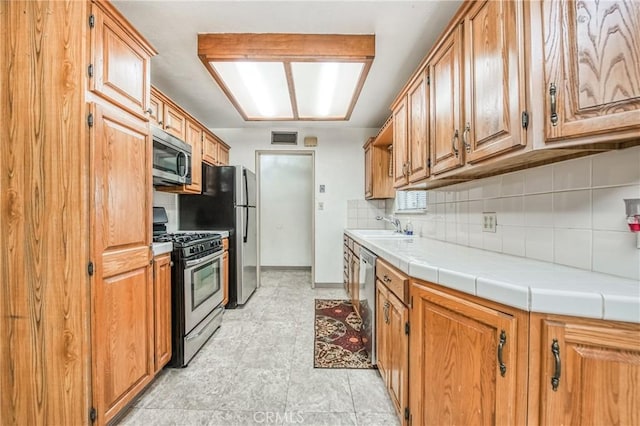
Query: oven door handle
point(190, 263)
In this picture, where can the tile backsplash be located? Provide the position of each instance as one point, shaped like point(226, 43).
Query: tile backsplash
point(170, 202)
point(571, 213)
point(362, 214)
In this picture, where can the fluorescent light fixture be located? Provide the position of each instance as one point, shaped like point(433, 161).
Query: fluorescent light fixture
point(289, 76)
point(261, 88)
point(326, 87)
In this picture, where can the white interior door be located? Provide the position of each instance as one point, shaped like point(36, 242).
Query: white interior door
point(286, 209)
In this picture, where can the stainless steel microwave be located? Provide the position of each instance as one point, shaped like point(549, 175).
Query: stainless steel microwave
point(171, 159)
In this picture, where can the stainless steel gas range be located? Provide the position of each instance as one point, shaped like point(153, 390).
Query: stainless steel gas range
point(197, 291)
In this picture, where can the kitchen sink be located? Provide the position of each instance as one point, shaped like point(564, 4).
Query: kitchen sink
point(379, 233)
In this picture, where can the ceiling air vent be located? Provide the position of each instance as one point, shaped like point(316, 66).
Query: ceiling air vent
point(284, 138)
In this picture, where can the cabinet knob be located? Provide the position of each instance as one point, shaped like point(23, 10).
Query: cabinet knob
point(149, 111)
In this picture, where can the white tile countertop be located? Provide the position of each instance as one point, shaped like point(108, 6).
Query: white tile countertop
point(527, 284)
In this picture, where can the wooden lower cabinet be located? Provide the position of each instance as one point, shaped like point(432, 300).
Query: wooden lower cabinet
point(593, 365)
point(468, 361)
point(392, 327)
point(162, 309)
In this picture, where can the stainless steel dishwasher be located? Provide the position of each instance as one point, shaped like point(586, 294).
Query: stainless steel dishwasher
point(368, 301)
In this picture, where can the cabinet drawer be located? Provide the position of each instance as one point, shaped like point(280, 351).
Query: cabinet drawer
point(396, 281)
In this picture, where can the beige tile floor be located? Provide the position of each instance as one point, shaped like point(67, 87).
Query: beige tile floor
point(258, 370)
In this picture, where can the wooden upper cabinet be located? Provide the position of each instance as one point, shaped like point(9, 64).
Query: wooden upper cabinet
point(597, 367)
point(175, 121)
point(120, 62)
point(368, 169)
point(194, 138)
point(592, 77)
point(457, 348)
point(417, 144)
point(494, 92)
point(223, 154)
point(156, 110)
point(210, 149)
point(378, 173)
point(400, 153)
point(122, 292)
point(447, 152)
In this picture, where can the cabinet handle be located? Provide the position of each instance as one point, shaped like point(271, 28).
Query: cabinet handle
point(149, 111)
point(408, 168)
point(503, 341)
point(465, 137)
point(160, 123)
point(386, 312)
point(386, 278)
point(555, 380)
point(554, 106)
point(453, 143)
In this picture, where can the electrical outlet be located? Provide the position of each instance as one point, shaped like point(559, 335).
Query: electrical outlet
point(489, 222)
point(320, 205)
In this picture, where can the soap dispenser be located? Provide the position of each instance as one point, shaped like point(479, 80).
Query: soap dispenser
point(408, 228)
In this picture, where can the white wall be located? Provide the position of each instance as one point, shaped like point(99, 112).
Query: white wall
point(286, 208)
point(571, 213)
point(339, 166)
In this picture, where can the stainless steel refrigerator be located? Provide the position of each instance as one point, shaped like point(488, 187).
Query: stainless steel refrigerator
point(228, 202)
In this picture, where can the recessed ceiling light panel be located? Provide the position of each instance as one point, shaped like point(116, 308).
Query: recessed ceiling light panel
point(260, 88)
point(289, 76)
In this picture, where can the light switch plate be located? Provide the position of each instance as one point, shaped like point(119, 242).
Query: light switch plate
point(321, 189)
point(489, 222)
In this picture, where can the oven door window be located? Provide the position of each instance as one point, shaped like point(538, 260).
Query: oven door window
point(205, 282)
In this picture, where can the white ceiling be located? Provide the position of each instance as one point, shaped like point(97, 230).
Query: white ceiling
point(404, 30)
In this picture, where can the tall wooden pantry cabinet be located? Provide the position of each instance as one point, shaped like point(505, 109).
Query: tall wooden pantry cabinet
point(75, 219)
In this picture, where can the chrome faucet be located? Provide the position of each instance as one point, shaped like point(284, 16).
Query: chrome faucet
point(392, 220)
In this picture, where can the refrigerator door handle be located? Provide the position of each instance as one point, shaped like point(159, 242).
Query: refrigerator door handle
point(246, 224)
point(246, 187)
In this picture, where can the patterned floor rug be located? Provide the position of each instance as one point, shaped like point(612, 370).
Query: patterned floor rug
point(338, 342)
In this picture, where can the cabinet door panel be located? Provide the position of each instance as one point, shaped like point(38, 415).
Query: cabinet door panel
point(209, 150)
point(194, 138)
point(600, 374)
point(456, 375)
point(494, 91)
point(162, 307)
point(174, 121)
point(400, 145)
point(398, 351)
point(418, 146)
point(121, 66)
point(122, 294)
point(447, 152)
point(382, 345)
point(592, 52)
point(368, 170)
point(156, 114)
